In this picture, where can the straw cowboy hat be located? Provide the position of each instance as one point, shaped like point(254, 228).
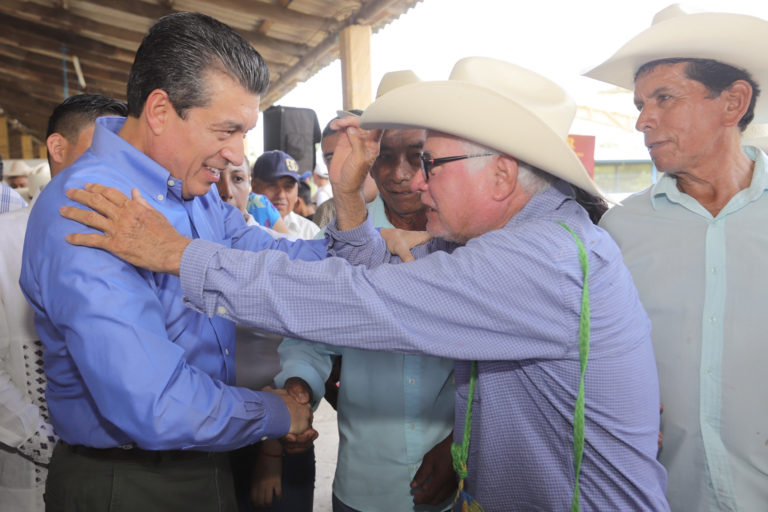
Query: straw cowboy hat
point(395, 79)
point(494, 103)
point(734, 39)
point(18, 168)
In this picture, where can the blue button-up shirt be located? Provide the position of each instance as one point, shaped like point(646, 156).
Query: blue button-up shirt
point(392, 409)
point(510, 298)
point(703, 282)
point(126, 361)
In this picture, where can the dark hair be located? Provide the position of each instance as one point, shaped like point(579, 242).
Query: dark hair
point(179, 50)
point(330, 131)
point(594, 205)
point(305, 192)
point(715, 76)
point(76, 112)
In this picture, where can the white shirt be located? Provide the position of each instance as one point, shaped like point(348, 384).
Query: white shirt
point(323, 194)
point(300, 226)
point(704, 284)
point(22, 426)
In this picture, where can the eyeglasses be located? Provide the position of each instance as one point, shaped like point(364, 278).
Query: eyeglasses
point(428, 163)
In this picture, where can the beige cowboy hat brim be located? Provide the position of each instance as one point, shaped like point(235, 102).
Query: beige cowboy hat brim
point(485, 116)
point(734, 39)
point(18, 168)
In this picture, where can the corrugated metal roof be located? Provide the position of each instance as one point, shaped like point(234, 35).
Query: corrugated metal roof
point(297, 38)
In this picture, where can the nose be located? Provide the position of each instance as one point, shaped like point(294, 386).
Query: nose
point(419, 182)
point(645, 120)
point(233, 151)
point(404, 170)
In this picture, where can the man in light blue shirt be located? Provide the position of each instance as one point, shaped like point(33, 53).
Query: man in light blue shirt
point(140, 388)
point(392, 408)
point(695, 243)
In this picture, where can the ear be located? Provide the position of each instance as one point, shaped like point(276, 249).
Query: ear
point(158, 111)
point(504, 177)
point(737, 98)
point(57, 146)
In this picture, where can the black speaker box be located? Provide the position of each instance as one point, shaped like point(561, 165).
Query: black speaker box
point(294, 131)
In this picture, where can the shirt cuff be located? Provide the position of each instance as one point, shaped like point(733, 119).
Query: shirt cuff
point(307, 373)
point(192, 271)
point(357, 237)
point(277, 419)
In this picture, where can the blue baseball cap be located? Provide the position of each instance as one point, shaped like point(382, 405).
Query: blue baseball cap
point(273, 165)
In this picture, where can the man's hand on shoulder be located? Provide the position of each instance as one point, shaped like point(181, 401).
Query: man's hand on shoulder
point(133, 230)
point(401, 241)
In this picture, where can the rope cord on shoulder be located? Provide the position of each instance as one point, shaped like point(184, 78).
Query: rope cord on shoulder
point(584, 331)
point(460, 452)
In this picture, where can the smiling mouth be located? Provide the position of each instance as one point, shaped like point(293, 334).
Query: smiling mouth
point(213, 172)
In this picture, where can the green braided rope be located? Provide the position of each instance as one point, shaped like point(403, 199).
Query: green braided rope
point(460, 452)
point(578, 414)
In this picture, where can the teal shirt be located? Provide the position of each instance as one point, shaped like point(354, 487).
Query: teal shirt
point(704, 282)
point(392, 409)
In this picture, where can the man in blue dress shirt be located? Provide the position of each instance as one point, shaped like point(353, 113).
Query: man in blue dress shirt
point(503, 286)
point(140, 388)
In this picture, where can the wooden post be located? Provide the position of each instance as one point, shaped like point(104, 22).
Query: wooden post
point(5, 143)
point(27, 146)
point(355, 54)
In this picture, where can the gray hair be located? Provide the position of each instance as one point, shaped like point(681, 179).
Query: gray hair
point(532, 179)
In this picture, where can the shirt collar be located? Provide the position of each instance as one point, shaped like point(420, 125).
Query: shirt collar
point(666, 187)
point(544, 203)
point(113, 150)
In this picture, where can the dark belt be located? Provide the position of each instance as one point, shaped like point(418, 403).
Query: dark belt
point(135, 454)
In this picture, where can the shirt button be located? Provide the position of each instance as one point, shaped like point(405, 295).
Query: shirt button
point(221, 310)
point(226, 351)
point(411, 381)
point(412, 426)
point(264, 438)
point(171, 183)
point(159, 197)
point(713, 319)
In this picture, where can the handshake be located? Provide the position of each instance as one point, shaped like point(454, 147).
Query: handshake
point(297, 395)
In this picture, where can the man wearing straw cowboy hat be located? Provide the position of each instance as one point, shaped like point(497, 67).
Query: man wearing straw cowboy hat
point(695, 245)
point(522, 290)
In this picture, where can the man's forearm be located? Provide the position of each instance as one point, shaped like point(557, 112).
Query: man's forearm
point(350, 210)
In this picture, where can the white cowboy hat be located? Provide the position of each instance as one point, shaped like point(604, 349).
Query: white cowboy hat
point(39, 178)
point(18, 168)
point(734, 39)
point(494, 103)
point(395, 79)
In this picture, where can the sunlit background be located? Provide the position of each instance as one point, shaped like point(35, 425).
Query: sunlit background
point(558, 39)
